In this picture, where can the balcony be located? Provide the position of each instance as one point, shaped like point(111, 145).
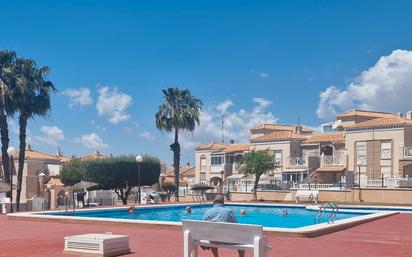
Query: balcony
point(296, 162)
point(332, 160)
point(407, 152)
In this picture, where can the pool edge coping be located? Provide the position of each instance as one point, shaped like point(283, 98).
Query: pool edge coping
point(306, 231)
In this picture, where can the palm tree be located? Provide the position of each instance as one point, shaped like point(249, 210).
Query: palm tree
point(7, 106)
point(33, 99)
point(179, 112)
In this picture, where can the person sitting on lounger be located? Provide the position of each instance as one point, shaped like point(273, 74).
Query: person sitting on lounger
point(219, 213)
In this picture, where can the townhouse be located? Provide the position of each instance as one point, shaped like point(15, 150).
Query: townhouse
point(370, 147)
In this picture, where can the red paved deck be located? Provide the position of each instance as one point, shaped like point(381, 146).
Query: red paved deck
point(389, 237)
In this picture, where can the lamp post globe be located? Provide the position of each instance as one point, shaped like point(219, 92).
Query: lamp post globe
point(11, 150)
point(139, 159)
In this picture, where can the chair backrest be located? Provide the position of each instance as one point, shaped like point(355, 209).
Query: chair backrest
point(222, 232)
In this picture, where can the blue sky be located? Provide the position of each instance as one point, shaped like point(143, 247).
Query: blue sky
point(253, 61)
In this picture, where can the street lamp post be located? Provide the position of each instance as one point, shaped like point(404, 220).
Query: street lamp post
point(139, 160)
point(10, 151)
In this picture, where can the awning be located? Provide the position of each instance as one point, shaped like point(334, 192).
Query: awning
point(331, 169)
point(236, 176)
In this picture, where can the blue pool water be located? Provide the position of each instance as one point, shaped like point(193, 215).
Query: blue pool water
point(267, 216)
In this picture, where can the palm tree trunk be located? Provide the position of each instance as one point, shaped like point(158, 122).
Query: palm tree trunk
point(4, 131)
point(22, 153)
point(176, 162)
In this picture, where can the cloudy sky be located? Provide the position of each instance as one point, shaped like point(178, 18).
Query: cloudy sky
point(272, 61)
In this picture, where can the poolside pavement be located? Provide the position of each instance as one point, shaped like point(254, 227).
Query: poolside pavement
point(387, 237)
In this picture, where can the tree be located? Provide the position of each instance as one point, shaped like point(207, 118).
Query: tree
point(169, 188)
point(32, 97)
point(118, 173)
point(7, 106)
point(72, 173)
point(257, 163)
point(179, 112)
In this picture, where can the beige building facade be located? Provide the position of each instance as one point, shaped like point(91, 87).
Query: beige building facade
point(372, 146)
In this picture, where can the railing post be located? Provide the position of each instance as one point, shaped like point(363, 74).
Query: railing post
point(382, 180)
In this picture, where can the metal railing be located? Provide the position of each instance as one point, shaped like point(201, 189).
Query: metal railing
point(333, 208)
point(315, 186)
point(296, 161)
point(332, 160)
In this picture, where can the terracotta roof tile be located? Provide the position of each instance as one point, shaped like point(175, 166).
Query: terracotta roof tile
point(326, 137)
point(278, 136)
point(381, 122)
point(279, 127)
point(33, 154)
point(211, 146)
point(364, 113)
point(237, 148)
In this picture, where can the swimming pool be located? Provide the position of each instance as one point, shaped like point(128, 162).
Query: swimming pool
point(300, 221)
point(265, 215)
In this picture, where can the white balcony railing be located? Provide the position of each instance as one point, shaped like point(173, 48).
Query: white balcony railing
point(314, 186)
point(296, 162)
point(407, 152)
point(332, 160)
point(385, 182)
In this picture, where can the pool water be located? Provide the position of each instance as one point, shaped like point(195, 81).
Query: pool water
point(267, 216)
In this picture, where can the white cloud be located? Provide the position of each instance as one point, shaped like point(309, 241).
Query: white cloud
point(78, 97)
point(223, 106)
point(146, 135)
point(97, 126)
point(262, 75)
point(236, 123)
point(386, 86)
point(92, 141)
point(51, 135)
point(113, 104)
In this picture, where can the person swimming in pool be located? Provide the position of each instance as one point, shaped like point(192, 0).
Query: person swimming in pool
point(132, 210)
point(243, 212)
point(285, 212)
point(188, 210)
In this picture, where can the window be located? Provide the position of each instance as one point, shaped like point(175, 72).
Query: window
point(386, 150)
point(203, 165)
point(361, 153)
point(386, 171)
point(217, 160)
point(278, 158)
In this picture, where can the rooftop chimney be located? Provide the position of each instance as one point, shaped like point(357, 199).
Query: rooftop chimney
point(28, 147)
point(409, 115)
point(298, 129)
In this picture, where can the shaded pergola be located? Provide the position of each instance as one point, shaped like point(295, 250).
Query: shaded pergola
point(202, 190)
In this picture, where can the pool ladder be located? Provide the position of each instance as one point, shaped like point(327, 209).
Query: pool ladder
point(321, 212)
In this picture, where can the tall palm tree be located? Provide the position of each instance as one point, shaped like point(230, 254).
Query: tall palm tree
point(179, 112)
point(7, 106)
point(33, 99)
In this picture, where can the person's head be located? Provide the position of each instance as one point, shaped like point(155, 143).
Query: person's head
point(242, 212)
point(219, 199)
point(132, 209)
point(285, 212)
point(188, 210)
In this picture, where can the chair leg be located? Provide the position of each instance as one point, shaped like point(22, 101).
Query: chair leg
point(194, 251)
point(187, 244)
